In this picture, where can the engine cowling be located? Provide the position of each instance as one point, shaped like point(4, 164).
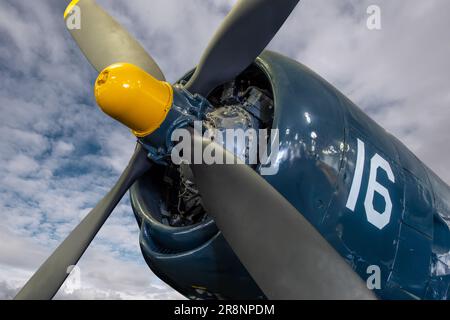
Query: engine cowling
point(179, 241)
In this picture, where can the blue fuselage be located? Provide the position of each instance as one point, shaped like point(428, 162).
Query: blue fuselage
point(377, 204)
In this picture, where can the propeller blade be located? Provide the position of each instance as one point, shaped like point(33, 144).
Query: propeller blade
point(284, 253)
point(45, 283)
point(104, 41)
point(243, 35)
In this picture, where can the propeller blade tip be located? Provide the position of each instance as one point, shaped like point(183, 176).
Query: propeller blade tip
point(69, 8)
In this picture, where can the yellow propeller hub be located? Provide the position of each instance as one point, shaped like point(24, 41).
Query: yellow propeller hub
point(133, 97)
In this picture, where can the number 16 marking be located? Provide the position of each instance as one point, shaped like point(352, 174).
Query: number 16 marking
point(378, 219)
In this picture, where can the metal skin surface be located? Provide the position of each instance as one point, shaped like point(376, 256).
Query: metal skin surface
point(319, 130)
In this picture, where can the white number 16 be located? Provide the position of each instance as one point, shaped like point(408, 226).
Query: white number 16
point(378, 219)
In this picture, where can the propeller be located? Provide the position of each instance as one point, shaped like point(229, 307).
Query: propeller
point(104, 41)
point(47, 280)
point(284, 254)
point(244, 34)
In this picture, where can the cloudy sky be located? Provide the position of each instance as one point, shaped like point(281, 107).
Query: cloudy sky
point(59, 155)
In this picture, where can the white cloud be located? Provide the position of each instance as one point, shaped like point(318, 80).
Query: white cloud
point(399, 75)
point(59, 156)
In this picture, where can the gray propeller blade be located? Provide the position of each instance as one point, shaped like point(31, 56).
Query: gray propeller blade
point(284, 253)
point(45, 283)
point(243, 35)
point(104, 41)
